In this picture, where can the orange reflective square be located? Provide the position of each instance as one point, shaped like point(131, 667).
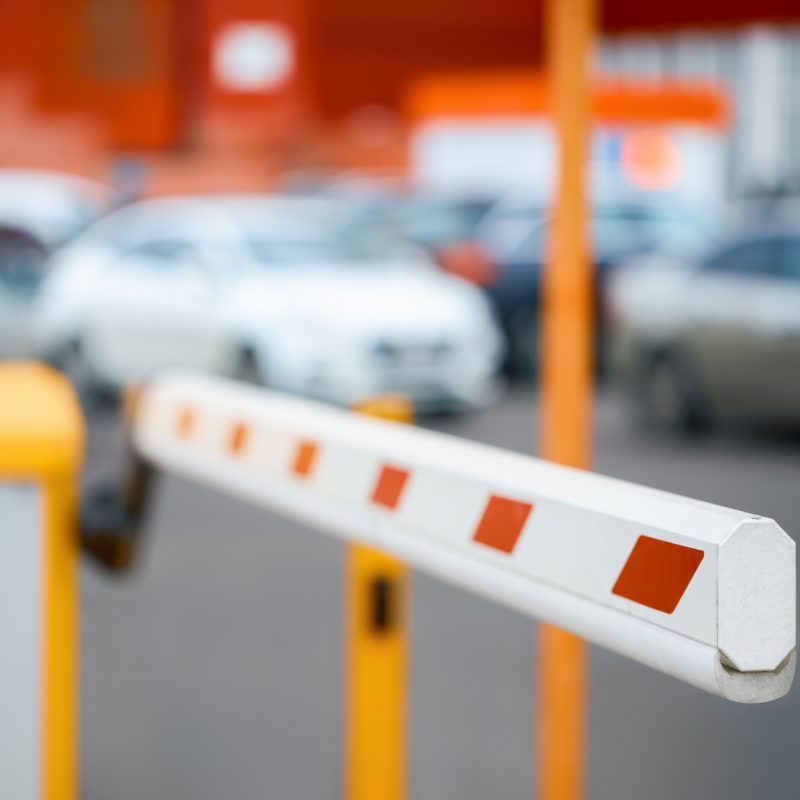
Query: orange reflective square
point(239, 436)
point(657, 573)
point(304, 459)
point(186, 420)
point(502, 523)
point(389, 486)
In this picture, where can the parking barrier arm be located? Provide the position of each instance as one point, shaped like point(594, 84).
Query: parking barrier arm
point(698, 591)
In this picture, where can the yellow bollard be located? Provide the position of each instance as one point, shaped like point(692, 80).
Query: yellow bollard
point(376, 652)
point(41, 448)
point(566, 383)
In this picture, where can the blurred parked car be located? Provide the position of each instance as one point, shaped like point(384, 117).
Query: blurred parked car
point(38, 210)
point(509, 251)
point(272, 289)
point(434, 219)
point(718, 337)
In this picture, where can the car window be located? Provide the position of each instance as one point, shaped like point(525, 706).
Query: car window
point(610, 236)
point(274, 250)
point(138, 225)
point(762, 256)
point(616, 232)
point(619, 232)
point(673, 231)
point(791, 258)
point(280, 240)
point(506, 239)
point(435, 223)
point(531, 248)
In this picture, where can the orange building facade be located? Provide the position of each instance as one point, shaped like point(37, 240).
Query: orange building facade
point(150, 69)
point(160, 76)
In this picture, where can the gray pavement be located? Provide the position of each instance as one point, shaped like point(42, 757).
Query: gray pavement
point(215, 671)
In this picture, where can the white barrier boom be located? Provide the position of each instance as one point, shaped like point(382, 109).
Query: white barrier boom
point(695, 590)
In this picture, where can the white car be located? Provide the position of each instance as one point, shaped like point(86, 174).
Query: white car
point(267, 288)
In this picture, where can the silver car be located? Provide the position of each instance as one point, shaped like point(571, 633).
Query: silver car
point(715, 338)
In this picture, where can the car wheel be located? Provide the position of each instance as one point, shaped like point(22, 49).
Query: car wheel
point(668, 396)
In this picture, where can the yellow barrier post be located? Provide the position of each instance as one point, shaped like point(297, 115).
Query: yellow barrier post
point(41, 448)
point(376, 668)
point(566, 386)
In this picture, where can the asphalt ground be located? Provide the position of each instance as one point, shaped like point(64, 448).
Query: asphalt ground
point(216, 670)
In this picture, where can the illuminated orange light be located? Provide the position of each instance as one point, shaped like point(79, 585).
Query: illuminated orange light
point(651, 160)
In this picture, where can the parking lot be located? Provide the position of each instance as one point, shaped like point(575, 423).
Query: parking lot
point(216, 670)
point(246, 207)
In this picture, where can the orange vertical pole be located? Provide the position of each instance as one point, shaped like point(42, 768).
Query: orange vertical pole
point(376, 669)
point(566, 382)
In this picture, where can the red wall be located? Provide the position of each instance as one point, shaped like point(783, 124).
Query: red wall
point(368, 50)
point(624, 15)
point(17, 27)
point(143, 66)
point(118, 58)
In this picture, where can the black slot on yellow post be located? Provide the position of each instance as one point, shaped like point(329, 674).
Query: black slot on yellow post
point(377, 598)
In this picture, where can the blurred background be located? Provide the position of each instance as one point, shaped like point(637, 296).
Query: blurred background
point(338, 198)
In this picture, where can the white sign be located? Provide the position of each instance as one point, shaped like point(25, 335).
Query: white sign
point(253, 56)
point(494, 155)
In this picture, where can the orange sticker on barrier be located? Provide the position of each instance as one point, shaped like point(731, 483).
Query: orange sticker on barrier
point(186, 421)
point(657, 573)
point(502, 523)
point(389, 486)
point(239, 437)
point(304, 459)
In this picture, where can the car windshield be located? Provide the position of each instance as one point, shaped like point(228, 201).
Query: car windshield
point(297, 239)
point(434, 223)
point(632, 229)
point(623, 231)
point(293, 250)
point(280, 236)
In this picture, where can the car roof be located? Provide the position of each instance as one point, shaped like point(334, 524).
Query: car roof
point(279, 204)
point(43, 178)
point(270, 215)
point(47, 204)
point(247, 204)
